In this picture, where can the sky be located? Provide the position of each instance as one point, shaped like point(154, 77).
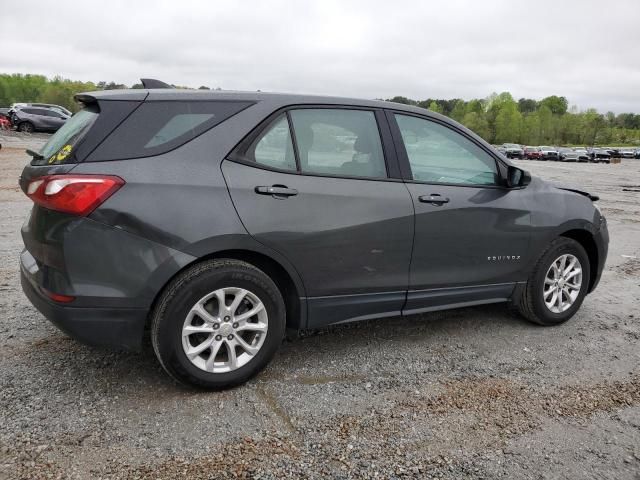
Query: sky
point(586, 50)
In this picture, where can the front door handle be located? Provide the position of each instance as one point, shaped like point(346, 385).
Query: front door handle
point(434, 198)
point(277, 191)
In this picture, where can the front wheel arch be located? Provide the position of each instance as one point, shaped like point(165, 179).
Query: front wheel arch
point(587, 241)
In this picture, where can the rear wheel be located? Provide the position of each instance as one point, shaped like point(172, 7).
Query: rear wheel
point(218, 324)
point(557, 285)
point(26, 127)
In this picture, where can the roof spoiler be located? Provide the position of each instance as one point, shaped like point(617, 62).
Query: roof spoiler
point(149, 83)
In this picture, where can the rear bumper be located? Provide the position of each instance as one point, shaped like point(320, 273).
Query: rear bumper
point(113, 327)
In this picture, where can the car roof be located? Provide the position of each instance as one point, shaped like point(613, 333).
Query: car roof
point(276, 98)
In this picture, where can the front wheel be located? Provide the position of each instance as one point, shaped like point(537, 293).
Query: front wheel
point(557, 285)
point(218, 324)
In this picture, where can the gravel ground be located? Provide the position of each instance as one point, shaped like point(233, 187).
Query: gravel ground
point(473, 393)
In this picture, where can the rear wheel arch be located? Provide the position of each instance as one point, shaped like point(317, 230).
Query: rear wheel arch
point(587, 241)
point(291, 292)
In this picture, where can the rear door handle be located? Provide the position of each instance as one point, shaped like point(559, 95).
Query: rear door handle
point(434, 198)
point(277, 191)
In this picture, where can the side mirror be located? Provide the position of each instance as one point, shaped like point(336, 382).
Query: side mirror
point(516, 177)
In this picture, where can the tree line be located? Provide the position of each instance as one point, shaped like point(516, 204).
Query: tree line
point(19, 88)
point(498, 118)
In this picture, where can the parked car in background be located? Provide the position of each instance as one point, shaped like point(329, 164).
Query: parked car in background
point(122, 233)
point(627, 153)
point(637, 153)
point(532, 153)
point(513, 150)
point(16, 106)
point(42, 119)
point(567, 154)
point(583, 154)
point(613, 152)
point(600, 155)
point(500, 149)
point(549, 153)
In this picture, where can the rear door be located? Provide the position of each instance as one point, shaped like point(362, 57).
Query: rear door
point(56, 119)
point(321, 186)
point(44, 119)
point(471, 232)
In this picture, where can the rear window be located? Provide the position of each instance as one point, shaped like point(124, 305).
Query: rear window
point(60, 147)
point(160, 126)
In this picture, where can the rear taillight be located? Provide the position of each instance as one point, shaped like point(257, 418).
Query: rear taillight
point(75, 194)
point(56, 297)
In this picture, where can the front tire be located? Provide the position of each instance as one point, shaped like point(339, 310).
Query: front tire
point(557, 285)
point(218, 324)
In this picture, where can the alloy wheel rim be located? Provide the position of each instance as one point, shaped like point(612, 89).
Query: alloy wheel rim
point(562, 283)
point(224, 330)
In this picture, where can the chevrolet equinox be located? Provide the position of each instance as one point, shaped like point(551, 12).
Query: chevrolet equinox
point(218, 220)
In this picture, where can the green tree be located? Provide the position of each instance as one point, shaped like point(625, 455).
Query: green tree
point(434, 107)
point(477, 123)
point(508, 123)
point(458, 111)
point(403, 100)
point(557, 105)
point(527, 105)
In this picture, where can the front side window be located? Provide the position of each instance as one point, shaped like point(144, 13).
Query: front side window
point(338, 142)
point(274, 147)
point(438, 154)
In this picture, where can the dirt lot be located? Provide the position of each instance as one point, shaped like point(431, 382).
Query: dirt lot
point(474, 393)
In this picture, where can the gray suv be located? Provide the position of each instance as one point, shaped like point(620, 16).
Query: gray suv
point(219, 220)
point(43, 119)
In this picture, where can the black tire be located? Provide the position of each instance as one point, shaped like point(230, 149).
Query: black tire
point(184, 292)
point(532, 305)
point(26, 127)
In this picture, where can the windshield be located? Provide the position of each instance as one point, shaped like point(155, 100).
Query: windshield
point(59, 147)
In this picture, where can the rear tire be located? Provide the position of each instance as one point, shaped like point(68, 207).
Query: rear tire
point(533, 302)
point(190, 314)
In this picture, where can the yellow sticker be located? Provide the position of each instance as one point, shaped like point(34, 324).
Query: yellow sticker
point(52, 158)
point(63, 153)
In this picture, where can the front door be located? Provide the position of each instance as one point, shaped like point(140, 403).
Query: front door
point(314, 185)
point(471, 233)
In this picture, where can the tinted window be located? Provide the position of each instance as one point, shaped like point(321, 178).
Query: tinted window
point(61, 145)
point(159, 126)
point(338, 142)
point(30, 111)
point(438, 154)
point(273, 148)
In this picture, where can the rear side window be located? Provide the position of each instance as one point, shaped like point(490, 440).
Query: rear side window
point(160, 126)
point(61, 145)
point(339, 142)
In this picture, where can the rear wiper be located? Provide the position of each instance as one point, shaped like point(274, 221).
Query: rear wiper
point(35, 155)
